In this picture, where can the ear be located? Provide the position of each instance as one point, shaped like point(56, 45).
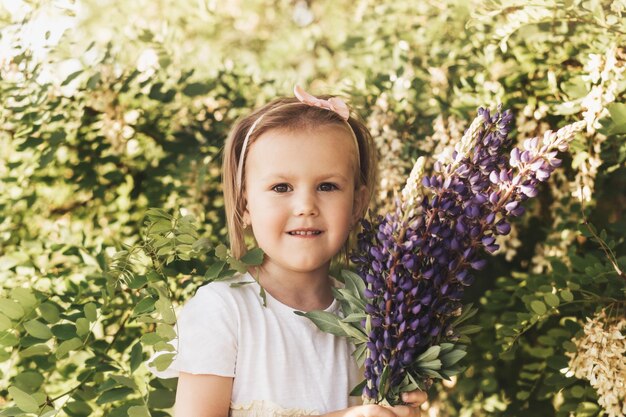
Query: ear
point(359, 203)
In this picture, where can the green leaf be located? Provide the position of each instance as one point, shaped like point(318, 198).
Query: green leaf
point(354, 318)
point(432, 372)
point(382, 386)
point(161, 398)
point(618, 118)
point(24, 296)
point(115, 394)
point(164, 346)
point(569, 346)
point(29, 380)
point(50, 312)
point(138, 411)
point(126, 381)
point(35, 350)
point(356, 303)
point(353, 332)
point(78, 409)
point(137, 281)
point(253, 257)
point(432, 364)
point(587, 409)
point(67, 346)
point(566, 295)
point(163, 361)
point(187, 239)
point(410, 384)
point(221, 252)
point(237, 265)
point(160, 226)
point(551, 299)
point(354, 283)
point(469, 329)
point(158, 213)
point(240, 284)
point(577, 391)
point(150, 338)
point(11, 309)
point(358, 390)
point(23, 400)
point(214, 270)
point(71, 77)
point(37, 329)
point(82, 327)
point(359, 354)
point(145, 305)
point(325, 321)
point(430, 354)
point(202, 245)
point(165, 250)
point(8, 339)
point(5, 323)
point(453, 357)
point(166, 331)
point(196, 89)
point(64, 331)
point(164, 307)
point(538, 307)
point(467, 312)
point(136, 357)
point(91, 312)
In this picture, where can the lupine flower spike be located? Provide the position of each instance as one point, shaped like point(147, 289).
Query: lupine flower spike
point(417, 261)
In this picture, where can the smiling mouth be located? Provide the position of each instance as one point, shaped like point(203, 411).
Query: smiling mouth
point(305, 233)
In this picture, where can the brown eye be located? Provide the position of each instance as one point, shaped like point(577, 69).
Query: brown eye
point(328, 186)
point(281, 188)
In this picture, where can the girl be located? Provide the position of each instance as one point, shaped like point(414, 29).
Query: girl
point(298, 174)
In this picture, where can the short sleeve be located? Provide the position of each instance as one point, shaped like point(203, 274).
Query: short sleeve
point(206, 340)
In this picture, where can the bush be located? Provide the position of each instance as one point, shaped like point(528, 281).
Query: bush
point(89, 275)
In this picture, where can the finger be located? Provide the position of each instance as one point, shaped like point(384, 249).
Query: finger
point(376, 411)
point(406, 411)
point(414, 398)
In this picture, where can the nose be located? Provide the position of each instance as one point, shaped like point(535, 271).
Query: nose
point(305, 204)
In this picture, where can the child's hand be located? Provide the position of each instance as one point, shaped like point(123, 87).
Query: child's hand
point(414, 399)
point(369, 410)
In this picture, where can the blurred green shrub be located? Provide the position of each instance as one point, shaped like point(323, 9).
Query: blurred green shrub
point(88, 288)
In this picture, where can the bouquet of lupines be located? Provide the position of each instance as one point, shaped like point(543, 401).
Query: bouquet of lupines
point(403, 311)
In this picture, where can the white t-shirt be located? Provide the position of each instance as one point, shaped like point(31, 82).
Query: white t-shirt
point(281, 362)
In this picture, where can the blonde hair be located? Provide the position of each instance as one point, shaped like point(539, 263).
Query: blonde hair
point(285, 114)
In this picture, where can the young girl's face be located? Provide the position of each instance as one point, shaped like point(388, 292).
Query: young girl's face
point(301, 197)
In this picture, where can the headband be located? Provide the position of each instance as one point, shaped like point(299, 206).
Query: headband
point(333, 104)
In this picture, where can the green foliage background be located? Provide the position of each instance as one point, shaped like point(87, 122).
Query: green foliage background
point(130, 108)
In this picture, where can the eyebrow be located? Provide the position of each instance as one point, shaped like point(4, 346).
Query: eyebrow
point(321, 177)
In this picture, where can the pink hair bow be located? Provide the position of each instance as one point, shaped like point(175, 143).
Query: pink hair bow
point(333, 104)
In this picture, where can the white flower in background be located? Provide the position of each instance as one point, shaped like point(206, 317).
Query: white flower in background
point(392, 164)
point(41, 31)
point(619, 7)
point(132, 147)
point(302, 14)
point(606, 73)
point(148, 61)
point(600, 358)
point(131, 116)
point(445, 136)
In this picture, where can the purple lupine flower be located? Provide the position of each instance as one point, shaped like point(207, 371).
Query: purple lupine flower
point(416, 261)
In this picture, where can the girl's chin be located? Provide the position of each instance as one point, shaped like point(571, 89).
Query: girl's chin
point(298, 265)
